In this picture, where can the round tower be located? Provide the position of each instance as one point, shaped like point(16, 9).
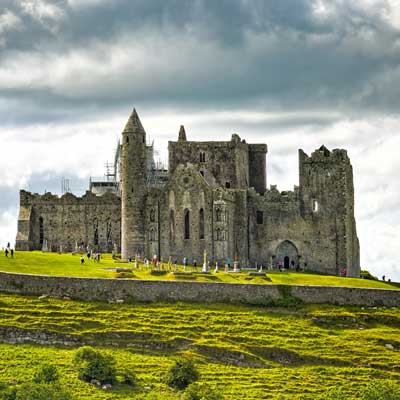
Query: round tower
point(133, 187)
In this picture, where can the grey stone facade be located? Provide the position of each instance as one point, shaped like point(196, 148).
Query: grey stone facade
point(214, 199)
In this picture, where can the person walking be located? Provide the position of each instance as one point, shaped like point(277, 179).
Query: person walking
point(184, 263)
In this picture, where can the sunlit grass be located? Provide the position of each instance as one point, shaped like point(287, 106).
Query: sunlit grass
point(247, 352)
point(69, 265)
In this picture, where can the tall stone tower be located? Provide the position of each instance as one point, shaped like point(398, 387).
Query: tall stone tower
point(327, 201)
point(133, 187)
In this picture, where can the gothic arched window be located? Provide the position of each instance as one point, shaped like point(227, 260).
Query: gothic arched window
point(187, 224)
point(201, 224)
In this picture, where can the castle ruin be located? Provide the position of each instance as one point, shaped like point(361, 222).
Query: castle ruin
point(212, 198)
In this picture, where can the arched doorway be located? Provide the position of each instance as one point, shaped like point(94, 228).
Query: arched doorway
point(287, 255)
point(286, 262)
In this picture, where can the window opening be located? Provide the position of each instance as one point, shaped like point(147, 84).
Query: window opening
point(41, 231)
point(187, 224)
point(201, 224)
point(95, 232)
point(171, 225)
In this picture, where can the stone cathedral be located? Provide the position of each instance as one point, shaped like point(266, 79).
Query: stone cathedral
point(212, 198)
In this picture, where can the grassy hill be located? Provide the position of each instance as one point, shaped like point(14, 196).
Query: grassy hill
point(69, 265)
point(244, 352)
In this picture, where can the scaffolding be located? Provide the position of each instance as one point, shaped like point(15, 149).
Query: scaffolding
point(109, 182)
point(157, 173)
point(65, 185)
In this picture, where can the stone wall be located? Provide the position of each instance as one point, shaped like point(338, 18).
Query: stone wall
point(64, 222)
point(96, 289)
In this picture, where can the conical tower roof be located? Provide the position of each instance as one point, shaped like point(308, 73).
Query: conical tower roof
point(134, 124)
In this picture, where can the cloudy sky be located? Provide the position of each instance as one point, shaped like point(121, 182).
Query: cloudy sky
point(293, 74)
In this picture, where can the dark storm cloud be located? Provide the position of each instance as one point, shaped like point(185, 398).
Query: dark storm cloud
point(264, 55)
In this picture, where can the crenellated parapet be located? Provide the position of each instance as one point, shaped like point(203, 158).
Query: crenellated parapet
point(323, 155)
point(28, 198)
point(273, 195)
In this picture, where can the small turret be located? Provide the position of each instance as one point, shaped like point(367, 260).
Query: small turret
point(133, 187)
point(182, 134)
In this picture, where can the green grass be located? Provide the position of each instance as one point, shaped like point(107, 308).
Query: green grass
point(246, 352)
point(69, 265)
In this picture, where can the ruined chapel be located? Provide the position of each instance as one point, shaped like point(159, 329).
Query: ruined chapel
point(213, 197)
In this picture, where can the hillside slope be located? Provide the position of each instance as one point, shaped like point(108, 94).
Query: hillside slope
point(245, 352)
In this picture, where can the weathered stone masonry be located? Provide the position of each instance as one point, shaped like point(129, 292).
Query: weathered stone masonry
point(96, 289)
point(214, 199)
point(69, 221)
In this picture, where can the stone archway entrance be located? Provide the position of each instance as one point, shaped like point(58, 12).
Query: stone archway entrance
point(286, 262)
point(287, 255)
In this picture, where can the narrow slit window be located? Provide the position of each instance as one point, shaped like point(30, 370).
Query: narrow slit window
point(201, 224)
point(41, 231)
point(260, 217)
point(187, 224)
point(171, 225)
point(315, 206)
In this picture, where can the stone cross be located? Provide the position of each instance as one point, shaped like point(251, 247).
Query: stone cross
point(205, 262)
point(235, 266)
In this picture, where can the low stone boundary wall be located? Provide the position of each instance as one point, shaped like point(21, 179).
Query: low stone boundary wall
point(204, 292)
